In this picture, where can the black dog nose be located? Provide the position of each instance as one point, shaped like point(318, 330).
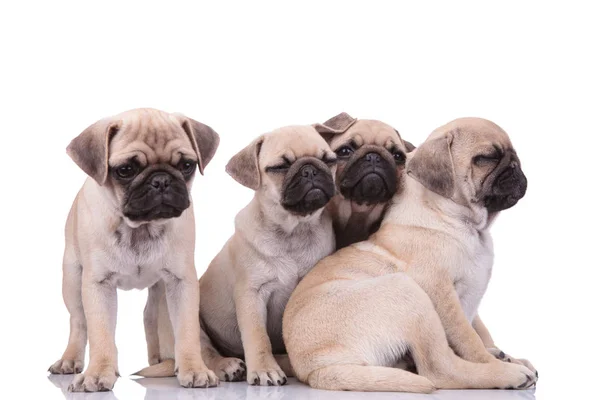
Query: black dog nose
point(373, 158)
point(309, 171)
point(161, 181)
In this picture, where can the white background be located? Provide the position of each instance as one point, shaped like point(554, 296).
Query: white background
point(246, 68)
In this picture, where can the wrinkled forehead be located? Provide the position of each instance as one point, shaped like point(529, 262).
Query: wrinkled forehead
point(293, 142)
point(475, 135)
point(151, 138)
point(370, 132)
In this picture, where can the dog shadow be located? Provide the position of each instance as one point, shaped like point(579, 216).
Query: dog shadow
point(169, 389)
point(63, 381)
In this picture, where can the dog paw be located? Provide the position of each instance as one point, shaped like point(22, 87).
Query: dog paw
point(272, 376)
point(197, 378)
point(516, 376)
point(65, 367)
point(101, 380)
point(230, 369)
point(502, 356)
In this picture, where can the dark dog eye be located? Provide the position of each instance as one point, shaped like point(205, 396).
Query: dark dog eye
point(278, 168)
point(126, 171)
point(399, 156)
point(344, 151)
point(187, 167)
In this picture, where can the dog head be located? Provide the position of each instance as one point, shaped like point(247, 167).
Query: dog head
point(292, 166)
point(471, 161)
point(145, 159)
point(371, 157)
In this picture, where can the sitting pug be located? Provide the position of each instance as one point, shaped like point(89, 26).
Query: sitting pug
point(131, 226)
point(278, 238)
point(414, 287)
point(371, 157)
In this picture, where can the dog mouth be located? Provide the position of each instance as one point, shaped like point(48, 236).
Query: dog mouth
point(158, 197)
point(308, 188)
point(375, 186)
point(372, 187)
point(162, 211)
point(508, 188)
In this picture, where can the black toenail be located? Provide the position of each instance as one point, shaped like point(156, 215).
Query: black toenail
point(278, 382)
point(509, 360)
point(502, 355)
point(284, 380)
point(269, 383)
point(536, 374)
point(227, 377)
point(256, 381)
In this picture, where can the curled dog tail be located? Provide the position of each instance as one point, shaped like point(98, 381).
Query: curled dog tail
point(163, 369)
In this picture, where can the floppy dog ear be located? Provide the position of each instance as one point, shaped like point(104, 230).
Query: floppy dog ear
point(89, 150)
point(334, 126)
point(204, 140)
point(433, 167)
point(408, 145)
point(244, 168)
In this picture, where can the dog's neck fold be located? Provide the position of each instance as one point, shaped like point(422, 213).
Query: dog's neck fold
point(418, 206)
point(273, 215)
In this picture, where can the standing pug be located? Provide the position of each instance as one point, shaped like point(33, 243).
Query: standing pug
point(278, 238)
point(371, 157)
point(414, 287)
point(131, 226)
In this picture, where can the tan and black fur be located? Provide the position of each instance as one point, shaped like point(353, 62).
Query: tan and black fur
point(279, 236)
point(132, 226)
point(371, 159)
point(414, 287)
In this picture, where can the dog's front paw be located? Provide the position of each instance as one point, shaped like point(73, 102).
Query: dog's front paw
point(267, 373)
point(515, 376)
point(95, 380)
point(502, 356)
point(66, 366)
point(230, 369)
point(197, 377)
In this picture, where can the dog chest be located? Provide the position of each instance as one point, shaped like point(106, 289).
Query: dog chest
point(137, 255)
point(473, 273)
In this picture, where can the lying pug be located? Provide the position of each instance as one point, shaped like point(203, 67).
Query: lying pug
point(278, 238)
point(131, 226)
point(414, 287)
point(371, 157)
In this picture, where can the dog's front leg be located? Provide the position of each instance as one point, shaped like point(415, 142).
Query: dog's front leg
point(100, 306)
point(183, 301)
point(251, 310)
point(462, 337)
point(488, 342)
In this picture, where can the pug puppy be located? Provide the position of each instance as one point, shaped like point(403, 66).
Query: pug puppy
point(132, 226)
point(414, 287)
point(278, 238)
point(371, 157)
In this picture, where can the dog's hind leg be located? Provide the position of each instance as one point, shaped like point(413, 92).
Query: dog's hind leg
point(155, 292)
point(368, 378)
point(228, 369)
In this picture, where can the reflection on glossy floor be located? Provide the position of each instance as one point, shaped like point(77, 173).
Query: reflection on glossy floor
point(168, 388)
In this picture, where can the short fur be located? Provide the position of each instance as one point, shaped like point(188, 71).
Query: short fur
point(414, 287)
point(247, 285)
point(119, 235)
